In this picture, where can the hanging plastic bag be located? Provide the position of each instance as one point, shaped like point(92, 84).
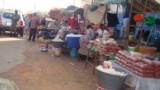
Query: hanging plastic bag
point(138, 17)
point(150, 21)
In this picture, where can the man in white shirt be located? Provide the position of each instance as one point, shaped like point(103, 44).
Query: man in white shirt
point(100, 31)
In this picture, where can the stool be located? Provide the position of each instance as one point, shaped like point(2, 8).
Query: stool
point(73, 53)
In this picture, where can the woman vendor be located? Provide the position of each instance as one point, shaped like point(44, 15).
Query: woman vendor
point(63, 32)
point(83, 50)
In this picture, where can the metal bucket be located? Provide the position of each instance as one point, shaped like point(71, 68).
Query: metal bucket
point(109, 81)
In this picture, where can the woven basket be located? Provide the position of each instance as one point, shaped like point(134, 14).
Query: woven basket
point(109, 81)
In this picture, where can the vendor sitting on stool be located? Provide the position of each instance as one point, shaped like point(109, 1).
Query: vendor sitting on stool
point(83, 50)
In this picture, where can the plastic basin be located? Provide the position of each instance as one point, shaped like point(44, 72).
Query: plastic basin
point(147, 50)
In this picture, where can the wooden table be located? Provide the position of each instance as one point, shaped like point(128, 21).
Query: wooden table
point(96, 59)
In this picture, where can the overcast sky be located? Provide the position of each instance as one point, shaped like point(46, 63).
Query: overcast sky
point(27, 5)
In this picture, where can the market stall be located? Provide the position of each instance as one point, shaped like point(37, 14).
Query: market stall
point(144, 70)
point(142, 16)
point(138, 82)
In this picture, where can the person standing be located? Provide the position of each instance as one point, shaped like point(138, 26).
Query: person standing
point(124, 31)
point(15, 18)
point(34, 23)
point(90, 32)
point(27, 22)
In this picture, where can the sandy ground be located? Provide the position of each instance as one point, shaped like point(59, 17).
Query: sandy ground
point(22, 62)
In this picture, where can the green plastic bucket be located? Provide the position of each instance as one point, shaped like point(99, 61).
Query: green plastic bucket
point(131, 49)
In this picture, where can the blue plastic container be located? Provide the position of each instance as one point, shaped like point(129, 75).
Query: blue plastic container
point(72, 41)
point(73, 53)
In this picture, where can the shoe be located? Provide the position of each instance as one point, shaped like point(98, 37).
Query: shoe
point(29, 39)
point(33, 40)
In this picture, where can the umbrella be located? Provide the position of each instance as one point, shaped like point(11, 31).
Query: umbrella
point(70, 9)
point(66, 12)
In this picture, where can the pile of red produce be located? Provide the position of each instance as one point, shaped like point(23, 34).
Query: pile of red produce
point(109, 48)
point(141, 66)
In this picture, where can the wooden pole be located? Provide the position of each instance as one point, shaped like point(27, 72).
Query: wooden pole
point(144, 12)
point(104, 17)
point(114, 33)
point(117, 9)
point(130, 14)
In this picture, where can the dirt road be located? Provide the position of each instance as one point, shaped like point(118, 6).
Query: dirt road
point(22, 62)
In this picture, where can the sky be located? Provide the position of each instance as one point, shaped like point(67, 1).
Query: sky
point(29, 5)
point(36, 5)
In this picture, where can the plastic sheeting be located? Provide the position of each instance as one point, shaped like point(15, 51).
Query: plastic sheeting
point(95, 16)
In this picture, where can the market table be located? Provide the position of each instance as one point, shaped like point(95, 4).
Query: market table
point(96, 58)
point(140, 83)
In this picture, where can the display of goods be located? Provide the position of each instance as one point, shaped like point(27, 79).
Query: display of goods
point(147, 61)
point(109, 48)
point(142, 66)
point(106, 35)
point(107, 64)
point(149, 57)
point(157, 74)
point(136, 54)
point(147, 50)
point(157, 69)
point(146, 74)
point(91, 42)
point(157, 63)
point(134, 59)
point(111, 71)
point(144, 70)
point(145, 66)
point(109, 78)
